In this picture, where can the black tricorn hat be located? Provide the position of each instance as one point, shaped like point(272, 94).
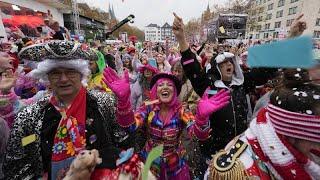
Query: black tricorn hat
point(59, 50)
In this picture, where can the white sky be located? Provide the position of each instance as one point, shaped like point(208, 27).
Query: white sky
point(154, 11)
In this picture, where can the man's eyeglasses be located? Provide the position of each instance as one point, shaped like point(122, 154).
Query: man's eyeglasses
point(56, 75)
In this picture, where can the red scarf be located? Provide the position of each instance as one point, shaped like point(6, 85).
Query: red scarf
point(70, 136)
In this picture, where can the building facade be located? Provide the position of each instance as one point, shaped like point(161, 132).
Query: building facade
point(152, 32)
point(273, 18)
point(166, 32)
point(155, 33)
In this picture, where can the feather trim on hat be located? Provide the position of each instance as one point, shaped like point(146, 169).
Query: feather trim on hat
point(44, 67)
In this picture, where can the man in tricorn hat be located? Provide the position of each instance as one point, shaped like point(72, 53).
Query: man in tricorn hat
point(55, 129)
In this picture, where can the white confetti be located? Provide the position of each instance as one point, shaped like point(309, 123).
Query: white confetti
point(297, 75)
point(297, 93)
point(304, 94)
point(316, 96)
point(299, 69)
point(279, 102)
point(294, 89)
point(277, 98)
point(308, 111)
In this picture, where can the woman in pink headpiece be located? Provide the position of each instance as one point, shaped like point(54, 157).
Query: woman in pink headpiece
point(164, 118)
point(140, 90)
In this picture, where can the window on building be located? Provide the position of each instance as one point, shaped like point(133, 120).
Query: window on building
point(293, 1)
point(281, 3)
point(257, 36)
point(265, 35)
point(293, 10)
point(254, 12)
point(259, 2)
point(270, 6)
point(289, 22)
point(258, 27)
point(267, 26)
point(261, 10)
point(269, 16)
point(277, 24)
point(318, 22)
point(275, 34)
point(316, 34)
point(259, 18)
point(279, 13)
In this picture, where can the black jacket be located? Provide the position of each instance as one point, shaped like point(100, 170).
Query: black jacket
point(231, 120)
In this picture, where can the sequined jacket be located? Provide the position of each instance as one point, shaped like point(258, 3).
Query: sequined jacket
point(26, 162)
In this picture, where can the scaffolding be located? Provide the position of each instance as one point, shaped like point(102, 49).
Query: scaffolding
point(75, 14)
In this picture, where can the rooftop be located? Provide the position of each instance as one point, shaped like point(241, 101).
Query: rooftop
point(152, 25)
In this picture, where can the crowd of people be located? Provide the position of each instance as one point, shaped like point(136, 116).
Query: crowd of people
point(216, 117)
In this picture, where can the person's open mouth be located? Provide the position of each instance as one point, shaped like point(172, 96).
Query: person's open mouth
point(229, 70)
point(165, 94)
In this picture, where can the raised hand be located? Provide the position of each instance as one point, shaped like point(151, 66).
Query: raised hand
point(178, 27)
point(119, 86)
point(298, 26)
point(178, 31)
point(207, 106)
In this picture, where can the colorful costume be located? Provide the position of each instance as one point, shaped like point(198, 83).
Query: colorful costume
point(95, 81)
point(282, 142)
point(171, 164)
point(260, 152)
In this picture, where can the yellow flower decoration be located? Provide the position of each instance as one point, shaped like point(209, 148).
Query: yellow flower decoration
point(62, 132)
